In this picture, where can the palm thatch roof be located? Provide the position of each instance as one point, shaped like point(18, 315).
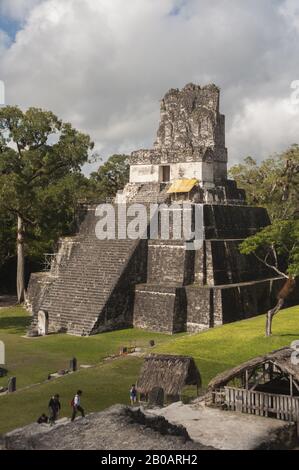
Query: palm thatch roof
point(280, 358)
point(170, 372)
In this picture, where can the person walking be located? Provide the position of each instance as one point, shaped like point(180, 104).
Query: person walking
point(54, 408)
point(133, 394)
point(76, 405)
point(43, 419)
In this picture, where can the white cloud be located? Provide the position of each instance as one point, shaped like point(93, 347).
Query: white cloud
point(105, 64)
point(271, 124)
point(290, 9)
point(17, 9)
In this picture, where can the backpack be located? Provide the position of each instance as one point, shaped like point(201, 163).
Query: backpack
point(73, 402)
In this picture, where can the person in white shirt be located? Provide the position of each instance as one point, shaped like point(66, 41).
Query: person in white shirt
point(76, 405)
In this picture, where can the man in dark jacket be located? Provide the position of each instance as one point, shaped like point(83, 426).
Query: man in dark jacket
point(54, 408)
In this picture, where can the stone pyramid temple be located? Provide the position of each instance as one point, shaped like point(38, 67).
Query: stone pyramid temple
point(97, 285)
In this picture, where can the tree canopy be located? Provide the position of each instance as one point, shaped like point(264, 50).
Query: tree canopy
point(39, 157)
point(276, 246)
point(274, 183)
point(41, 182)
point(111, 176)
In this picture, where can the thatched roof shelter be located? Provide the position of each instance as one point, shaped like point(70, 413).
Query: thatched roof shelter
point(280, 358)
point(172, 373)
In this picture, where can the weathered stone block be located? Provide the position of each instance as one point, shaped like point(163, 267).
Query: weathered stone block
point(160, 308)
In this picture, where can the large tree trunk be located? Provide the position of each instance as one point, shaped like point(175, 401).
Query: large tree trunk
point(20, 261)
point(270, 315)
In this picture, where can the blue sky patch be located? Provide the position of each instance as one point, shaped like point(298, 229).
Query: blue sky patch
point(11, 27)
point(176, 10)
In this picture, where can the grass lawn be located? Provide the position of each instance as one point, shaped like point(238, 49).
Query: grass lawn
point(102, 387)
point(32, 359)
point(227, 346)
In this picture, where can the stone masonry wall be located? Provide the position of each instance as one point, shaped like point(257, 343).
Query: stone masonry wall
point(207, 307)
point(194, 290)
point(155, 308)
point(93, 290)
point(166, 262)
point(191, 130)
point(189, 118)
point(118, 311)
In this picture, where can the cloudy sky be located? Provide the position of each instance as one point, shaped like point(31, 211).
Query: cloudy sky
point(104, 65)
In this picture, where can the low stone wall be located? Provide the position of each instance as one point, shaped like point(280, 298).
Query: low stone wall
point(211, 306)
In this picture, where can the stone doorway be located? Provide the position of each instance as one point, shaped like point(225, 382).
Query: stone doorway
point(165, 173)
point(42, 323)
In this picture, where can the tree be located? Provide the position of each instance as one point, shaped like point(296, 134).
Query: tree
point(277, 247)
point(37, 151)
point(110, 177)
point(7, 236)
point(56, 207)
point(274, 183)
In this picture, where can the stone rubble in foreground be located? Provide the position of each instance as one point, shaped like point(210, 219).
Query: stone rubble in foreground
point(117, 428)
point(176, 427)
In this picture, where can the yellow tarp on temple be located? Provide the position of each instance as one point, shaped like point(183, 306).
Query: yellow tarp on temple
point(183, 185)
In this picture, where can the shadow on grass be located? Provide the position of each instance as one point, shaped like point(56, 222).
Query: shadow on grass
point(286, 334)
point(18, 324)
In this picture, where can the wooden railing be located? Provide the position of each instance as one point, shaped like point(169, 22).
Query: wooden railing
point(282, 407)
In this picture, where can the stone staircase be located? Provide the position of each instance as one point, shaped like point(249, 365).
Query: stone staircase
point(154, 193)
point(92, 288)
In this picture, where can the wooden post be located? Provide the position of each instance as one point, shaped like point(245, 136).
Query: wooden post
point(291, 385)
point(271, 371)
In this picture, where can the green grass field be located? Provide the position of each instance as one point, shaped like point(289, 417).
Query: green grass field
point(108, 382)
point(228, 345)
point(32, 359)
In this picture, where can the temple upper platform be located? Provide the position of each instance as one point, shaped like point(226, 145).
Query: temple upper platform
point(190, 140)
